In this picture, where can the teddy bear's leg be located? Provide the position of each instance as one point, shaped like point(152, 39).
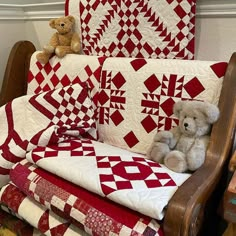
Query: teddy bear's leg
point(158, 151)
point(75, 43)
point(195, 158)
point(175, 160)
point(43, 57)
point(61, 51)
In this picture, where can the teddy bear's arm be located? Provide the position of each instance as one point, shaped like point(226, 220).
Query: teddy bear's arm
point(61, 51)
point(163, 137)
point(196, 155)
point(176, 133)
point(54, 41)
point(75, 43)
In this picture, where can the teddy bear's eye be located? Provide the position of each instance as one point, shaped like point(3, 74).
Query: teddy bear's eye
point(194, 118)
point(185, 117)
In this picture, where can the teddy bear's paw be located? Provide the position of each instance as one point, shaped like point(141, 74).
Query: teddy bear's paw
point(75, 47)
point(195, 161)
point(158, 151)
point(59, 52)
point(175, 160)
point(163, 136)
point(49, 49)
point(43, 58)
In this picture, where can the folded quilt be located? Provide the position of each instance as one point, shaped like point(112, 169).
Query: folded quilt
point(82, 207)
point(122, 176)
point(13, 226)
point(37, 120)
point(13, 200)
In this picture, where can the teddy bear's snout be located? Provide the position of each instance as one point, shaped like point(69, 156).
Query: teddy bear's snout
point(186, 125)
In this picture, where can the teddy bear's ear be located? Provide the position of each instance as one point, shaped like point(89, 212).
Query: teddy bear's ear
point(177, 108)
point(212, 112)
point(52, 23)
point(71, 19)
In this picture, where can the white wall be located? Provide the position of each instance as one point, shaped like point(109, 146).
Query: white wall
point(10, 32)
point(215, 27)
point(215, 38)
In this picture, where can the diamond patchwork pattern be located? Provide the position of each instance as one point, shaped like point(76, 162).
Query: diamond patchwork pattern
point(112, 172)
point(131, 111)
point(136, 28)
point(135, 173)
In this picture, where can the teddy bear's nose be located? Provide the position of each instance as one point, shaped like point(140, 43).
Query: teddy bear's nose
point(185, 124)
point(62, 24)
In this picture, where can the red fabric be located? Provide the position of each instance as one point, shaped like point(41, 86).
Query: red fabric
point(47, 186)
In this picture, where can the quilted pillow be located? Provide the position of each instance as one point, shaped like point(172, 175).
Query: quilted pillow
point(31, 121)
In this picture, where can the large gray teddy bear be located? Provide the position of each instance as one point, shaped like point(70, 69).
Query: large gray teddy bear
point(184, 147)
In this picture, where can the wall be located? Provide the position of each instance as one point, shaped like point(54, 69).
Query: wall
point(215, 26)
point(215, 38)
point(215, 29)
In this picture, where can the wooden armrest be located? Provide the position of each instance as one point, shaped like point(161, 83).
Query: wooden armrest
point(232, 162)
point(15, 77)
point(186, 209)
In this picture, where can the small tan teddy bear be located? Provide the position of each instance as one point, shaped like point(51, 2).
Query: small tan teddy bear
point(184, 147)
point(63, 42)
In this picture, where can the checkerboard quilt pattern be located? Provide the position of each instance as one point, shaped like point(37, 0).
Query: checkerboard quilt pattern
point(137, 96)
point(58, 73)
point(146, 28)
point(48, 117)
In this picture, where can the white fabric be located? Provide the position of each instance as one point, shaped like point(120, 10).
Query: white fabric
point(137, 97)
point(85, 172)
point(29, 121)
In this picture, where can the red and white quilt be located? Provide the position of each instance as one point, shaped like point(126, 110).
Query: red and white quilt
point(37, 215)
point(62, 72)
point(37, 120)
point(90, 212)
point(119, 175)
point(140, 28)
point(136, 97)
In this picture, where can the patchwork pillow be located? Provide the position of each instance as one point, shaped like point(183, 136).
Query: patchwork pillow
point(31, 121)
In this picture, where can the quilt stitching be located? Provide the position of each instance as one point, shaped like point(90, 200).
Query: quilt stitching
point(138, 173)
point(124, 23)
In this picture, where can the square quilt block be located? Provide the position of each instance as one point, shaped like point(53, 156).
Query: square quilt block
point(146, 28)
point(136, 97)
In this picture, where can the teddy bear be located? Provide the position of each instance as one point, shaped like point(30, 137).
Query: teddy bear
point(183, 148)
point(62, 42)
